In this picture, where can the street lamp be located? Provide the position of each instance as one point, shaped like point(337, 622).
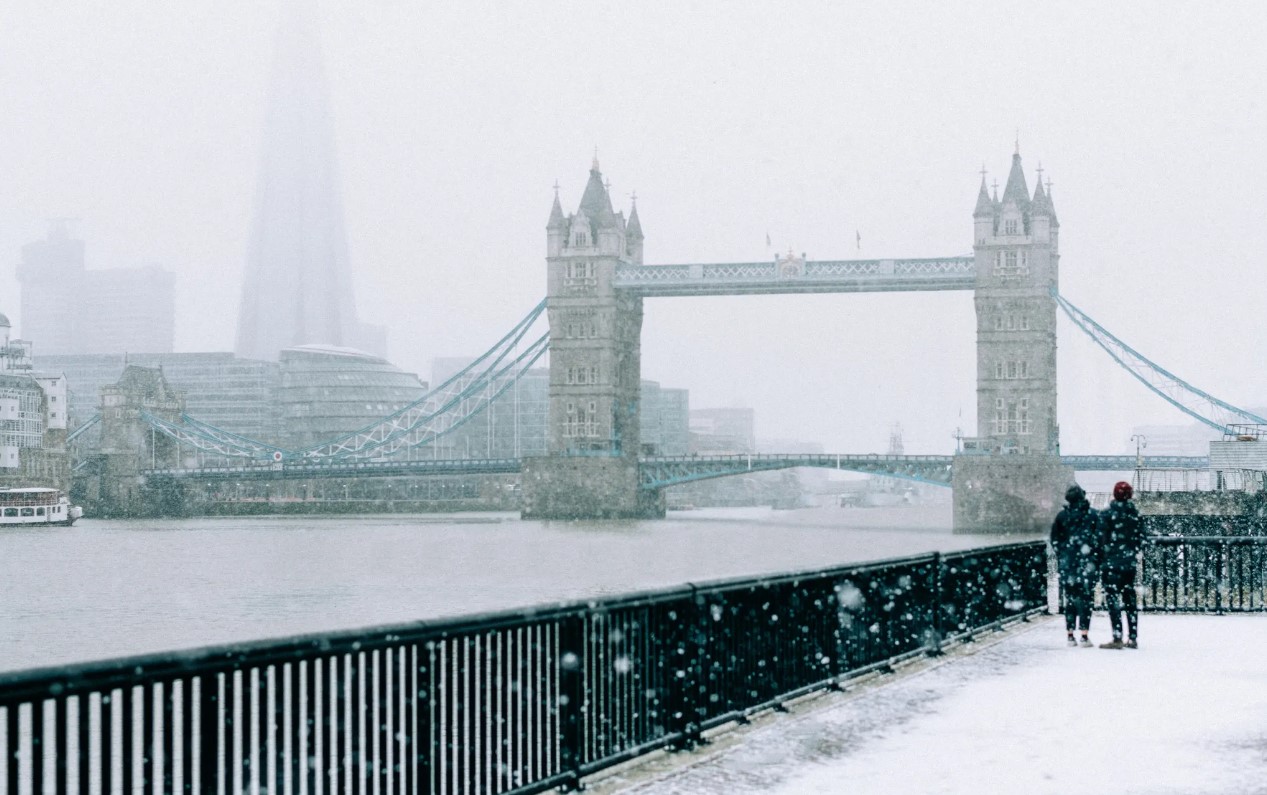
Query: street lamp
point(1141, 441)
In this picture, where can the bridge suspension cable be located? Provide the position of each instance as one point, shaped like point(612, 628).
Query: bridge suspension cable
point(75, 434)
point(208, 438)
point(446, 407)
point(1194, 402)
point(438, 412)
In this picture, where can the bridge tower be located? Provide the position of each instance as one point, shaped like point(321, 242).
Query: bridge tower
point(1009, 478)
point(591, 470)
point(129, 445)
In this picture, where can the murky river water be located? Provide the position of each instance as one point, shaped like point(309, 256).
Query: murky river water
point(113, 588)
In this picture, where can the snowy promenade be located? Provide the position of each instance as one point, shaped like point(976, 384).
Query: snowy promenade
point(1186, 713)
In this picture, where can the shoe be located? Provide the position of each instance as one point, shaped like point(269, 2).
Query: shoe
point(1071, 641)
point(1116, 643)
point(1132, 644)
point(1085, 642)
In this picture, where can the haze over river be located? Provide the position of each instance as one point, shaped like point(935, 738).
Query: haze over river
point(114, 588)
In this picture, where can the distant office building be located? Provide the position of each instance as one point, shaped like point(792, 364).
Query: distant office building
point(723, 431)
point(665, 420)
point(314, 394)
point(298, 287)
point(72, 310)
point(327, 392)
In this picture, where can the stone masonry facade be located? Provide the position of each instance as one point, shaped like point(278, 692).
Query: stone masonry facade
point(593, 438)
point(1009, 478)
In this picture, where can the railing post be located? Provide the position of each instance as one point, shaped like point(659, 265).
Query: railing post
point(572, 632)
point(935, 628)
point(685, 672)
point(1221, 584)
point(208, 731)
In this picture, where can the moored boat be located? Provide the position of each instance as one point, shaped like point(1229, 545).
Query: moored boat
point(36, 506)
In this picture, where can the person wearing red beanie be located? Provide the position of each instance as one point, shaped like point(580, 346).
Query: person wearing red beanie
point(1121, 542)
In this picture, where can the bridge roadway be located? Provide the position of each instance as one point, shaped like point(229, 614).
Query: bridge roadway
point(657, 472)
point(793, 275)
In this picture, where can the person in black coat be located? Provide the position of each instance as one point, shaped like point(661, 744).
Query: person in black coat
point(1075, 538)
point(1122, 539)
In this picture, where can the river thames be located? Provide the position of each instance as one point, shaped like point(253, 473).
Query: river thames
point(106, 589)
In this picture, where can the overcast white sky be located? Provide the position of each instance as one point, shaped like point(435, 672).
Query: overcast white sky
point(807, 121)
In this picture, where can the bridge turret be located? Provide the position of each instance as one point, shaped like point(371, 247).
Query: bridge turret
point(595, 367)
point(1041, 215)
point(633, 234)
point(1013, 477)
point(985, 217)
point(556, 228)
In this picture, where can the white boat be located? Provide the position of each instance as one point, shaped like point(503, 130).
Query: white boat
point(36, 506)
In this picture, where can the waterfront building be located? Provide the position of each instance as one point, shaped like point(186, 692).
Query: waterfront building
point(72, 310)
point(326, 392)
point(32, 419)
point(297, 288)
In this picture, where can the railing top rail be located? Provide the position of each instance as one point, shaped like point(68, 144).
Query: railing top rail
point(1181, 539)
point(21, 685)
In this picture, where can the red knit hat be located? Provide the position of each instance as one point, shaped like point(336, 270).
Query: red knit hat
point(1122, 491)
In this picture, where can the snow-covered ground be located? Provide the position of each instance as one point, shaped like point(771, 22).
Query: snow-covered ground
point(1186, 713)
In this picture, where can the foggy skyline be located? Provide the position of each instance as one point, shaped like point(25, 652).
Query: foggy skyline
point(812, 125)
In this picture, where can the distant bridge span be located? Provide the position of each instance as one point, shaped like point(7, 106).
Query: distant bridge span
point(658, 472)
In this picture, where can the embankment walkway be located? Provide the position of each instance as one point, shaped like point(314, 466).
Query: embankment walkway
point(1019, 712)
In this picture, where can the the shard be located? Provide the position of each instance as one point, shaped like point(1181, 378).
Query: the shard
point(297, 288)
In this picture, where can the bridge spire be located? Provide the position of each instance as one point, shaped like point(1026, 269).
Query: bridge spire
point(556, 211)
point(985, 206)
point(1016, 190)
point(1040, 205)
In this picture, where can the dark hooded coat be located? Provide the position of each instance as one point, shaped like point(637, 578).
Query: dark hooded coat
point(1122, 535)
point(1075, 537)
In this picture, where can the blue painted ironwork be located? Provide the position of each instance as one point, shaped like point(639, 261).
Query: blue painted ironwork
point(444, 408)
point(1194, 402)
point(209, 439)
point(655, 472)
point(519, 702)
point(797, 276)
point(439, 412)
point(294, 469)
point(661, 472)
point(75, 434)
point(658, 472)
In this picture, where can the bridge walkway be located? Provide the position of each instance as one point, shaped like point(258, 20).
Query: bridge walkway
point(1016, 712)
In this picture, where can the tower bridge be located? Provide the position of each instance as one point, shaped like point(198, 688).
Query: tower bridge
point(1010, 477)
point(596, 283)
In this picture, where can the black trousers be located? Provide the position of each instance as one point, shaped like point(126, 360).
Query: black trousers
point(1078, 599)
point(1119, 591)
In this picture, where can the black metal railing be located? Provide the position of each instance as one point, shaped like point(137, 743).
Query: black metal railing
point(1211, 574)
point(517, 702)
point(1206, 525)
